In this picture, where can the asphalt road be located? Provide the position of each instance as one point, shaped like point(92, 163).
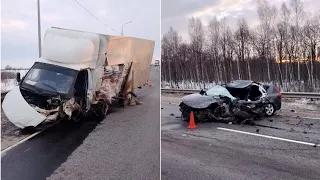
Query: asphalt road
point(211, 153)
point(123, 146)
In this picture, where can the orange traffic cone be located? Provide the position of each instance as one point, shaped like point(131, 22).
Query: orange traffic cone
point(150, 84)
point(192, 124)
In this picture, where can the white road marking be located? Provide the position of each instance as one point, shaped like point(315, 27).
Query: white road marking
point(26, 139)
point(270, 137)
point(310, 118)
point(21, 141)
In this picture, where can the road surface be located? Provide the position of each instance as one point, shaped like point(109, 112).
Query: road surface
point(230, 151)
point(126, 145)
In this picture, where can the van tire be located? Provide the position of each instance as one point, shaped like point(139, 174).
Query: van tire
point(102, 111)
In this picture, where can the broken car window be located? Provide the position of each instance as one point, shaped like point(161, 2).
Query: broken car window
point(220, 91)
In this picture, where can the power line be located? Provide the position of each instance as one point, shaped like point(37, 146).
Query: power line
point(95, 16)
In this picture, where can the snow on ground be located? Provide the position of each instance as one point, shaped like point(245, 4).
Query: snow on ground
point(23, 72)
point(187, 85)
point(8, 84)
point(286, 87)
point(301, 104)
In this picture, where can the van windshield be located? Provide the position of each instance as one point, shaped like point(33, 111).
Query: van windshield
point(50, 79)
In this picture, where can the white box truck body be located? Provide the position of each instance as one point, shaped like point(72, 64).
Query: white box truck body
point(77, 73)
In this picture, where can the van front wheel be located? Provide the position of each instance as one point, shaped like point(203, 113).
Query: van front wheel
point(103, 110)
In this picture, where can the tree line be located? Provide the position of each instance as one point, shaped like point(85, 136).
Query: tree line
point(283, 49)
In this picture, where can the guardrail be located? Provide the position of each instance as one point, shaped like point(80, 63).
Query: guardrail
point(308, 95)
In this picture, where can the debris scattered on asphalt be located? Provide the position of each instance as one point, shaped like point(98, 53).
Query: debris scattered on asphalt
point(184, 135)
point(291, 130)
point(257, 130)
point(161, 108)
point(17, 133)
point(292, 110)
point(171, 114)
point(229, 122)
point(294, 121)
point(315, 145)
point(305, 132)
point(178, 116)
point(271, 120)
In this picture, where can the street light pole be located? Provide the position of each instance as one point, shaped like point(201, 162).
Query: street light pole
point(39, 29)
point(123, 25)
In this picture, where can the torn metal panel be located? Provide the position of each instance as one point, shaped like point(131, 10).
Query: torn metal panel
point(43, 111)
point(51, 115)
point(123, 50)
point(112, 81)
point(70, 106)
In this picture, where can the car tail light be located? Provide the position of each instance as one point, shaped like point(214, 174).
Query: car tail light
point(279, 92)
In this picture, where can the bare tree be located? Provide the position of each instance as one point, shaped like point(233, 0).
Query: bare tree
point(242, 37)
point(283, 49)
point(196, 33)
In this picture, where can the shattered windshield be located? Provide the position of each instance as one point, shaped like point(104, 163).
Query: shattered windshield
point(219, 91)
point(50, 78)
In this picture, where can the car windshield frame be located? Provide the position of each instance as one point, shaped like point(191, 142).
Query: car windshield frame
point(30, 83)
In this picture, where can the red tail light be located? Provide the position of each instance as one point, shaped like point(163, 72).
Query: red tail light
point(279, 92)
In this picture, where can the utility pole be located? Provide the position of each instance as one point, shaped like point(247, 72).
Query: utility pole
point(123, 25)
point(39, 28)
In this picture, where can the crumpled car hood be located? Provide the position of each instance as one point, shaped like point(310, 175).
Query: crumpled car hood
point(198, 101)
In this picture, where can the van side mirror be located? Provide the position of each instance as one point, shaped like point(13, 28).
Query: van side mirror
point(18, 77)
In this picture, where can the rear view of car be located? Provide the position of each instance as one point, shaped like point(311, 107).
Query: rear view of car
point(274, 96)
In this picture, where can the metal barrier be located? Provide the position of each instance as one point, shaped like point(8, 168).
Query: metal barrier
point(308, 95)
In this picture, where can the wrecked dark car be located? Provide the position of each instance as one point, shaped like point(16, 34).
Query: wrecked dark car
point(234, 102)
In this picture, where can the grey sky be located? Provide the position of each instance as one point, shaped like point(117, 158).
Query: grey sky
point(176, 13)
point(19, 46)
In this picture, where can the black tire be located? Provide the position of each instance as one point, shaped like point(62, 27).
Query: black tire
point(102, 111)
point(77, 116)
point(269, 109)
point(30, 130)
point(185, 117)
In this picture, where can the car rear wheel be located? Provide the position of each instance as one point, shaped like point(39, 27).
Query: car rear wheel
point(269, 109)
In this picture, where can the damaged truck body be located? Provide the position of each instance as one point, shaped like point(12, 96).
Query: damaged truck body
point(79, 72)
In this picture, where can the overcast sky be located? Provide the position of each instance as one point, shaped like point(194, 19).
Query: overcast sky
point(19, 43)
point(176, 13)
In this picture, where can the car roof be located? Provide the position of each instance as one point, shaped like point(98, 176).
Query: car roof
point(239, 84)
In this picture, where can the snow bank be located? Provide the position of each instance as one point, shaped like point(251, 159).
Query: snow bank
point(8, 84)
point(187, 85)
point(22, 72)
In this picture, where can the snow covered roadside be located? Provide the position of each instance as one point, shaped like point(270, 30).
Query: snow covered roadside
point(8, 84)
point(301, 104)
